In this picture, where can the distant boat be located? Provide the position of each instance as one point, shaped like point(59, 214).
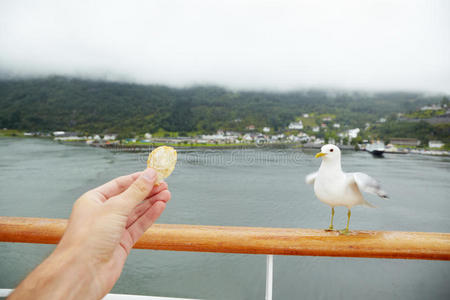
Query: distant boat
point(376, 149)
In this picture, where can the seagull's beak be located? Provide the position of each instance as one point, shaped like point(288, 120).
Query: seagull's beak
point(320, 154)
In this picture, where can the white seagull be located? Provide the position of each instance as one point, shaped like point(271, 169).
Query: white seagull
point(336, 188)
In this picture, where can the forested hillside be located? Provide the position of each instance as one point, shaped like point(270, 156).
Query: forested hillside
point(58, 103)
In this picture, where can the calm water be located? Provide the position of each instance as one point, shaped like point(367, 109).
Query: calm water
point(40, 178)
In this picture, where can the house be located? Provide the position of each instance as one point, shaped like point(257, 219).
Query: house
point(323, 125)
point(316, 129)
point(277, 137)
point(319, 141)
point(296, 125)
point(353, 133)
point(65, 135)
point(435, 144)
point(110, 137)
point(326, 119)
point(337, 125)
point(382, 120)
point(266, 129)
point(213, 137)
point(148, 136)
point(305, 115)
point(432, 107)
point(251, 127)
point(405, 142)
point(293, 138)
point(303, 137)
point(247, 137)
point(233, 133)
point(59, 133)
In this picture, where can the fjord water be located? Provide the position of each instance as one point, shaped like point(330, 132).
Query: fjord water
point(260, 187)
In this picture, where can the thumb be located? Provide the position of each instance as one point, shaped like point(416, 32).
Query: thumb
point(137, 191)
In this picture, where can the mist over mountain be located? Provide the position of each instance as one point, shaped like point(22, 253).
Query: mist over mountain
point(61, 103)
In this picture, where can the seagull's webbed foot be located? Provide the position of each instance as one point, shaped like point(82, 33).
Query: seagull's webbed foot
point(331, 228)
point(344, 231)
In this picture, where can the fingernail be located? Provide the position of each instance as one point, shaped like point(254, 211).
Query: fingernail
point(149, 174)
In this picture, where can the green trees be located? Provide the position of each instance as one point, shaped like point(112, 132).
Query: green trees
point(58, 103)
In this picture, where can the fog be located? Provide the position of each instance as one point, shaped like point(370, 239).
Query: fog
point(282, 45)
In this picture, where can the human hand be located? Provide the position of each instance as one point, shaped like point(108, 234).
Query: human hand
point(104, 225)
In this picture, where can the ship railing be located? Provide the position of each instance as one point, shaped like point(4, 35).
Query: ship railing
point(253, 240)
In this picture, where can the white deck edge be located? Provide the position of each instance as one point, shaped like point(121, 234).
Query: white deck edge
point(269, 277)
point(6, 292)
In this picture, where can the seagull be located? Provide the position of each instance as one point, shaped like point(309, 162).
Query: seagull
point(334, 187)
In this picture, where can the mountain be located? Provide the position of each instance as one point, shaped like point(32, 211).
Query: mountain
point(71, 104)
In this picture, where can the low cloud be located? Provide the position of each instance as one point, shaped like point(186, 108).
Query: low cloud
point(373, 45)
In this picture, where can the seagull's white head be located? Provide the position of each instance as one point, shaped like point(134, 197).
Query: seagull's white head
point(329, 152)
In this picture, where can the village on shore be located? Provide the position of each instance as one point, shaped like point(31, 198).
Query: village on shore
point(304, 132)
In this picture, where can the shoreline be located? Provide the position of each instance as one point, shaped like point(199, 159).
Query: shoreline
point(136, 148)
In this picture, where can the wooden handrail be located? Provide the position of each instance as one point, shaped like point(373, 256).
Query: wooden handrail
point(253, 240)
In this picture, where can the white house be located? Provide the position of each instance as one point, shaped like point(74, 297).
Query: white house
point(305, 115)
point(319, 141)
point(110, 137)
point(247, 137)
point(296, 125)
point(213, 137)
point(353, 133)
point(59, 133)
point(148, 136)
point(316, 129)
point(303, 137)
point(435, 144)
point(432, 107)
point(266, 129)
point(337, 125)
point(293, 138)
point(277, 137)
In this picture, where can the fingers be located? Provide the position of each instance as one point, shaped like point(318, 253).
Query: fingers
point(159, 188)
point(146, 220)
point(139, 210)
point(138, 191)
point(116, 186)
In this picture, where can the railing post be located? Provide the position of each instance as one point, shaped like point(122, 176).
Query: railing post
point(269, 277)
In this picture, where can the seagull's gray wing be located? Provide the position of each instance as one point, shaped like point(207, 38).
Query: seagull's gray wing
point(310, 178)
point(367, 184)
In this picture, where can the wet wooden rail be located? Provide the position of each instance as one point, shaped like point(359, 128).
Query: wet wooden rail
point(253, 240)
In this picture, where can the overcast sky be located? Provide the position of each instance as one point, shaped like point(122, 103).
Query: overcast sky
point(373, 45)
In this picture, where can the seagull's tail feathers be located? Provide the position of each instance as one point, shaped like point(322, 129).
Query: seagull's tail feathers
point(367, 184)
point(382, 194)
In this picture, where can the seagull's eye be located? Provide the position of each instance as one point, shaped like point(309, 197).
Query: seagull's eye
point(331, 150)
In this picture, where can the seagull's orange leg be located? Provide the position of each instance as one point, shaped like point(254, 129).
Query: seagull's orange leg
point(346, 231)
point(331, 224)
